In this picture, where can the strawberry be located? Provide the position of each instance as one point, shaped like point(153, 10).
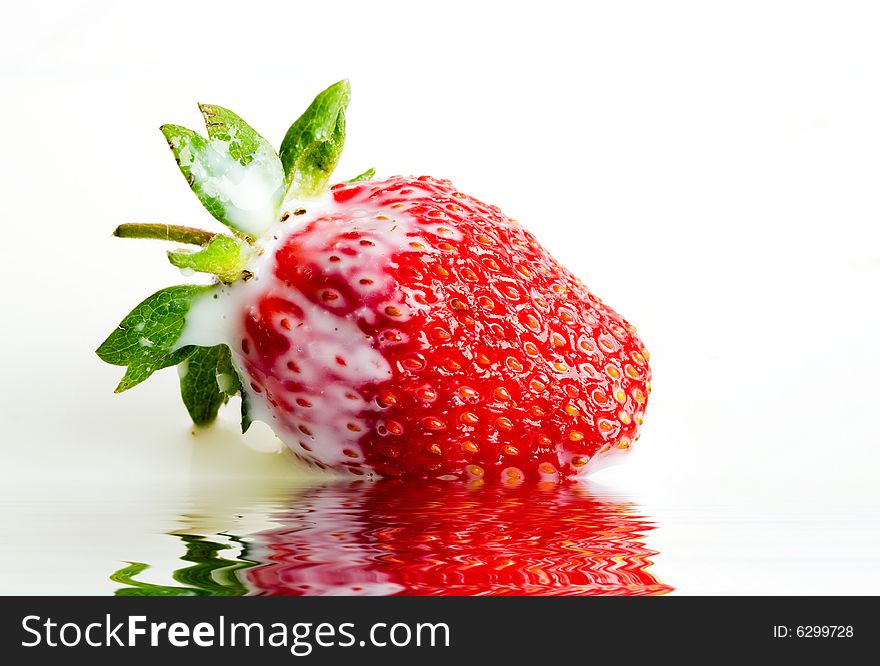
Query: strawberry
point(423, 539)
point(395, 328)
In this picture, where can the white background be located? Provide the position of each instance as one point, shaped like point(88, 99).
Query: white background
point(712, 170)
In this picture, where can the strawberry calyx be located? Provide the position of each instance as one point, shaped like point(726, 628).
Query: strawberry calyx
point(243, 182)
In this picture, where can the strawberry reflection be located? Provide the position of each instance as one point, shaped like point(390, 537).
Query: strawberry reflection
point(408, 539)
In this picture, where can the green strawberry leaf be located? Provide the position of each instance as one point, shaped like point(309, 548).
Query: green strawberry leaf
point(312, 146)
point(246, 419)
point(366, 175)
point(208, 379)
point(199, 386)
point(227, 374)
point(230, 383)
point(145, 340)
point(223, 256)
point(234, 172)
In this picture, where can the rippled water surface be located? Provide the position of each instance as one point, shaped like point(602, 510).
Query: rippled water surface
point(396, 539)
point(266, 533)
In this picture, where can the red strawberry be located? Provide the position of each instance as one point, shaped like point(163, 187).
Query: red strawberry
point(410, 329)
point(421, 539)
point(399, 327)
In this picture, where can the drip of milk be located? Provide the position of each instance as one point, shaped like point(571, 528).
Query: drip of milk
point(248, 194)
point(332, 427)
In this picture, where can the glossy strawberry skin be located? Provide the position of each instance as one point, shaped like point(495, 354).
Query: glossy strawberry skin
point(501, 364)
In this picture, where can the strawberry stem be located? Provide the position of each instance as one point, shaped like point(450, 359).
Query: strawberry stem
point(168, 232)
